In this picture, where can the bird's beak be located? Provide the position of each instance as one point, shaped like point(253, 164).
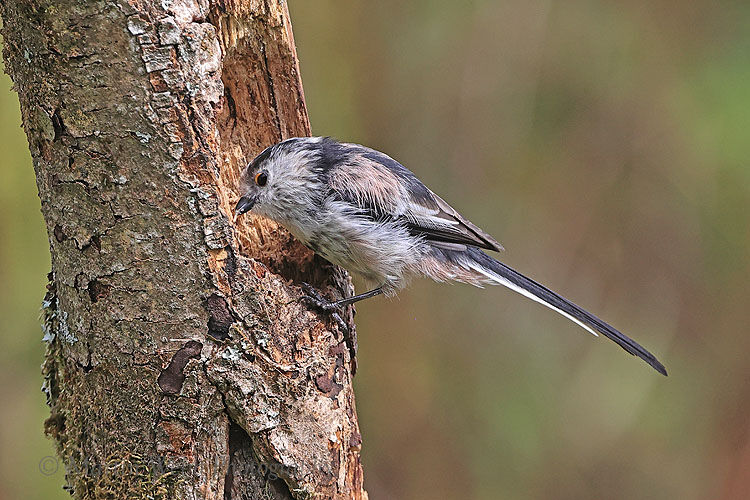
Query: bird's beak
point(244, 205)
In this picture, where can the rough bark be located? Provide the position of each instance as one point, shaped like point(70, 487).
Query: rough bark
point(180, 361)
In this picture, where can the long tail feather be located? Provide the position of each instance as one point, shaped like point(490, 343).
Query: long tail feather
point(499, 273)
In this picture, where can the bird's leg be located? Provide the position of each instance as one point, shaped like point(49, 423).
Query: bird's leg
point(357, 298)
point(315, 298)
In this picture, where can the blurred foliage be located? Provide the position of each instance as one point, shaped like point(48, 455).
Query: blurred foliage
point(606, 145)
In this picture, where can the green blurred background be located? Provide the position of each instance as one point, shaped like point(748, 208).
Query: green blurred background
point(607, 146)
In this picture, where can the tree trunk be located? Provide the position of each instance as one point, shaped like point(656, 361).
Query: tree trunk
point(181, 362)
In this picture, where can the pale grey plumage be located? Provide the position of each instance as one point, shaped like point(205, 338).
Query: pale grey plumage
point(366, 212)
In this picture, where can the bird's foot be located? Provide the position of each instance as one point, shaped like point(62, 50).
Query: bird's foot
point(315, 298)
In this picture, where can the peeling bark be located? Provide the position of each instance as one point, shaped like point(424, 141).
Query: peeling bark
point(180, 361)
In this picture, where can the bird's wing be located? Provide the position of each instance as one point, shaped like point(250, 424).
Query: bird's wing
point(383, 189)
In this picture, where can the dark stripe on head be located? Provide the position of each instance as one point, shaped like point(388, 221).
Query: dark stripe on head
point(331, 153)
point(327, 151)
point(260, 159)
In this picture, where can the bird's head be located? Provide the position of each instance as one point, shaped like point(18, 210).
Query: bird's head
point(281, 179)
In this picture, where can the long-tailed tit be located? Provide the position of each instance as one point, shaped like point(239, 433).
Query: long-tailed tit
point(364, 211)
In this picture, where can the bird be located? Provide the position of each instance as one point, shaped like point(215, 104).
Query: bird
point(364, 211)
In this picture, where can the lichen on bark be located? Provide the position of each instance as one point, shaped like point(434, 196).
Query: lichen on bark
point(180, 360)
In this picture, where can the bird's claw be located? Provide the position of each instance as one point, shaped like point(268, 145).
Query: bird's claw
point(315, 299)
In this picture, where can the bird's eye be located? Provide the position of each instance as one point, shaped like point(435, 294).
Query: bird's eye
point(261, 178)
